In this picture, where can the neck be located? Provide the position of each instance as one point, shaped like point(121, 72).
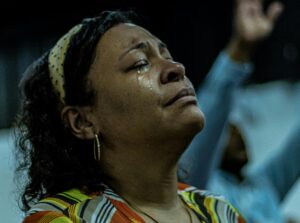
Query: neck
point(145, 176)
point(155, 192)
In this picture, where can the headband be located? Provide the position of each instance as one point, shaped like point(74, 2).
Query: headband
point(56, 61)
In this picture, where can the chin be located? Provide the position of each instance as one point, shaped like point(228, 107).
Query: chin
point(199, 123)
point(198, 117)
point(195, 123)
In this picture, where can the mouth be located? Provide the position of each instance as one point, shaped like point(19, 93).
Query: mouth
point(187, 93)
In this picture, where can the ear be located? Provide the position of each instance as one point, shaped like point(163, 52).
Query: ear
point(77, 120)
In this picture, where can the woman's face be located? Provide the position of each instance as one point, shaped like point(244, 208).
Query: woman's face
point(142, 94)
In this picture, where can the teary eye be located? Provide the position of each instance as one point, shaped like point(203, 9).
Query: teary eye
point(141, 66)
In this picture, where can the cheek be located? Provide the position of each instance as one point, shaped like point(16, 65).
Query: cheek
point(146, 97)
point(144, 82)
point(129, 97)
point(147, 92)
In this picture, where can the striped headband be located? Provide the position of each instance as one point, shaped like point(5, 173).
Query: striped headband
point(56, 61)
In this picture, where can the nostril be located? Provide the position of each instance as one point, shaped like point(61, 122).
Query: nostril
point(172, 73)
point(172, 77)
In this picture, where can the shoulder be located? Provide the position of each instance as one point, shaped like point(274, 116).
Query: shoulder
point(75, 206)
point(47, 217)
point(198, 196)
point(210, 206)
point(56, 208)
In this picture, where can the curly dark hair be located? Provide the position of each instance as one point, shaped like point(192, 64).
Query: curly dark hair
point(53, 158)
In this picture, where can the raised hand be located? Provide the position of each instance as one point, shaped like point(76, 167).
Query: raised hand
point(251, 24)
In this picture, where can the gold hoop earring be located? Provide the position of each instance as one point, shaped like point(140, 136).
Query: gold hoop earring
point(97, 148)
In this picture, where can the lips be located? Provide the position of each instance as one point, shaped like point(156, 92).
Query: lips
point(182, 93)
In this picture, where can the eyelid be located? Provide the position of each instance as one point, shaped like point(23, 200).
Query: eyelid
point(138, 64)
point(145, 62)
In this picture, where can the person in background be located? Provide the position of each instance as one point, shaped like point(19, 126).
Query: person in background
point(258, 193)
point(232, 67)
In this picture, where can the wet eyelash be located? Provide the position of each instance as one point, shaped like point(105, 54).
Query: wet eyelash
point(138, 65)
point(141, 63)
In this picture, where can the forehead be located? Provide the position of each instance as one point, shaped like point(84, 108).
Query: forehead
point(124, 35)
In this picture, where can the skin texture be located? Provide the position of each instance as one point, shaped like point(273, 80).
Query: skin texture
point(139, 96)
point(141, 132)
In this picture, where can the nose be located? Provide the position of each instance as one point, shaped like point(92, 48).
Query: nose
point(172, 72)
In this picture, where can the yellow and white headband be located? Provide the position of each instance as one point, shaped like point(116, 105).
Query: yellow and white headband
point(56, 62)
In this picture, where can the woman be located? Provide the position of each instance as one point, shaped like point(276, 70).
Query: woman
point(106, 115)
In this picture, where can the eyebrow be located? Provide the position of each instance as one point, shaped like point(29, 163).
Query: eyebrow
point(141, 45)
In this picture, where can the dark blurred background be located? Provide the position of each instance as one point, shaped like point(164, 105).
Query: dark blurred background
point(194, 31)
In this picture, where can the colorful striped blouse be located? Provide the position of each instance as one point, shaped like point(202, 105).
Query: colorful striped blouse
point(75, 207)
